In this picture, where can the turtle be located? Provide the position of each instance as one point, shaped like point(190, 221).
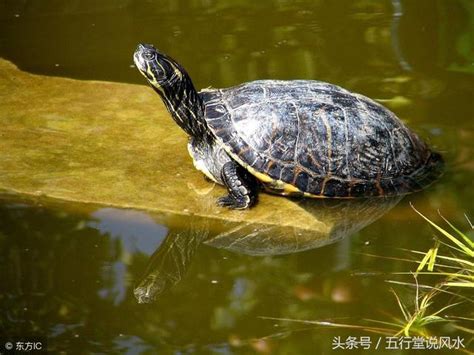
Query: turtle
point(302, 138)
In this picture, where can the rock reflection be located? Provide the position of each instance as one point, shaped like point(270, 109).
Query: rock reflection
point(320, 222)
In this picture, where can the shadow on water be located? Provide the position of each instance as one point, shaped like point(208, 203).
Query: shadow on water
point(331, 221)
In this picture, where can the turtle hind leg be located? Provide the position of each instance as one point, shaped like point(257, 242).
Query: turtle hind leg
point(242, 187)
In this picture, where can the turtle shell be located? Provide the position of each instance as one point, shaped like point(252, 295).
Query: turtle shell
point(317, 139)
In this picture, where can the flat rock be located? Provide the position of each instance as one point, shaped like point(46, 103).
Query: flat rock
point(115, 144)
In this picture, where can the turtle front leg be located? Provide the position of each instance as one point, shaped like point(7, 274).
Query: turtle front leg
point(242, 187)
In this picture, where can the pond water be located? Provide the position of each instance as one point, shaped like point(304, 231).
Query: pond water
point(73, 274)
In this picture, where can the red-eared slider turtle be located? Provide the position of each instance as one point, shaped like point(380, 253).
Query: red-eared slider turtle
point(299, 137)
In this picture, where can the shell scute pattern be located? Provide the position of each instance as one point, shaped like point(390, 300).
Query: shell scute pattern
point(317, 137)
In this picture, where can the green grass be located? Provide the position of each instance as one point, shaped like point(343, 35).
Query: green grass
point(461, 256)
point(451, 259)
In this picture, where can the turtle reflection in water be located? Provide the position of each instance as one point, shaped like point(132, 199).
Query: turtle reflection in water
point(300, 137)
point(334, 220)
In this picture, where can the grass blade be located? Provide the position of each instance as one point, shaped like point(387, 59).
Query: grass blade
point(461, 234)
point(433, 256)
point(460, 244)
point(461, 284)
point(424, 261)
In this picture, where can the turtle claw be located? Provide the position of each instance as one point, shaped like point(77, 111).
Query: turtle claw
point(241, 187)
point(232, 203)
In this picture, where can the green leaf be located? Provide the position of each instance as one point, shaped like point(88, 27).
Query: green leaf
point(462, 235)
point(431, 319)
point(424, 260)
point(458, 243)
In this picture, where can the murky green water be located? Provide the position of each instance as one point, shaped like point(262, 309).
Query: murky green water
point(69, 273)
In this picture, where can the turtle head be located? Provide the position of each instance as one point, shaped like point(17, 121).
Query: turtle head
point(160, 70)
point(173, 84)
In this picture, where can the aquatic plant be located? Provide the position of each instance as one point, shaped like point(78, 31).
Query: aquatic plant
point(451, 260)
point(462, 250)
point(457, 269)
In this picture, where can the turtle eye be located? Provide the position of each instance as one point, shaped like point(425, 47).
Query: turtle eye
point(149, 55)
